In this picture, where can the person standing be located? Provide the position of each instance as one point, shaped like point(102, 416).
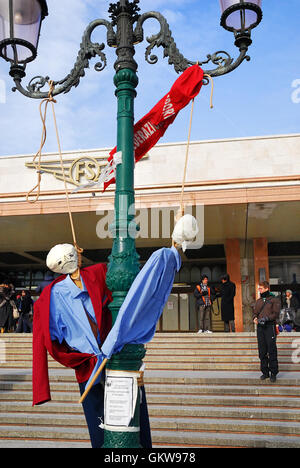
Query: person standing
point(291, 301)
point(6, 308)
point(227, 293)
point(204, 295)
point(24, 324)
point(266, 312)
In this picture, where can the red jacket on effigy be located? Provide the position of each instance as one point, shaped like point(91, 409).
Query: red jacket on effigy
point(94, 280)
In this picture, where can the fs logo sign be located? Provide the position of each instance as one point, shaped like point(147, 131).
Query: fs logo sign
point(85, 169)
point(76, 172)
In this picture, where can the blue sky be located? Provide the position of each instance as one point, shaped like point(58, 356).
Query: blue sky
point(256, 99)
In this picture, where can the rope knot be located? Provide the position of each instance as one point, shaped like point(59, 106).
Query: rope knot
point(36, 191)
point(50, 93)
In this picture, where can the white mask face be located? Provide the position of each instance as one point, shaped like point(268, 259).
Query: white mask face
point(62, 259)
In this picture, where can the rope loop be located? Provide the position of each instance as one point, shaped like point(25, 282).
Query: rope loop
point(36, 190)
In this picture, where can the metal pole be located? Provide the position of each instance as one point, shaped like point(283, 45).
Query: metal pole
point(123, 262)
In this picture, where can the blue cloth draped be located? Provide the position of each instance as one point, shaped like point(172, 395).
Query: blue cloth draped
point(144, 303)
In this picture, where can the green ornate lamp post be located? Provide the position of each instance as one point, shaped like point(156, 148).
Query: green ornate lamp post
point(20, 23)
point(123, 262)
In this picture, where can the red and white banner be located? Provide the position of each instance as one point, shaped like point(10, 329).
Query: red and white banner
point(153, 125)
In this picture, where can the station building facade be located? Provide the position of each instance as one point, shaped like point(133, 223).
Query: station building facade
point(244, 192)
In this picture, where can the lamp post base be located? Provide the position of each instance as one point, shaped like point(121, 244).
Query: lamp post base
point(121, 440)
point(128, 360)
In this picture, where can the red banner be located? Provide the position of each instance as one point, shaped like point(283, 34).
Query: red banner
point(153, 125)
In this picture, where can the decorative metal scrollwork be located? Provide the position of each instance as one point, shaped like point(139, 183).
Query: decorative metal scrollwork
point(37, 83)
point(88, 49)
point(164, 39)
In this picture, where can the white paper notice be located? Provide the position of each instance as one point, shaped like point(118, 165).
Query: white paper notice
point(119, 401)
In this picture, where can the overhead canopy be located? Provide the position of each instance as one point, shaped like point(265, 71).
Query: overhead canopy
point(25, 240)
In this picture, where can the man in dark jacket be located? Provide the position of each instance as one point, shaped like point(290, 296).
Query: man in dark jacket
point(227, 293)
point(6, 307)
point(205, 296)
point(26, 303)
point(266, 312)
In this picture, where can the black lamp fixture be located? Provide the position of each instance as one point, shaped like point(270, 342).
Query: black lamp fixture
point(20, 25)
point(240, 17)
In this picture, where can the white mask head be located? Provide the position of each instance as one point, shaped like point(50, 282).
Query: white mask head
point(186, 229)
point(62, 259)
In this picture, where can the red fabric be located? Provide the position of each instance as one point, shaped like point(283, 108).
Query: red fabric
point(153, 125)
point(94, 279)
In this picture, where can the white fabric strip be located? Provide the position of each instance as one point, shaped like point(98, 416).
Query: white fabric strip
point(119, 373)
point(119, 428)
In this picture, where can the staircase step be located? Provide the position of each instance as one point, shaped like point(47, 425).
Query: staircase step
point(43, 432)
point(214, 440)
point(27, 386)
point(39, 444)
point(221, 366)
point(161, 358)
point(202, 391)
point(224, 400)
point(241, 379)
point(27, 396)
point(204, 353)
point(225, 413)
point(259, 391)
point(60, 409)
point(202, 358)
point(229, 425)
point(50, 420)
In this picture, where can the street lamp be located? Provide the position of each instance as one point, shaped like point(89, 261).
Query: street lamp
point(240, 17)
point(20, 25)
point(18, 45)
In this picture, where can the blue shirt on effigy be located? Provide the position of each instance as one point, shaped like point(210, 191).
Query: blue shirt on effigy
point(68, 320)
point(138, 315)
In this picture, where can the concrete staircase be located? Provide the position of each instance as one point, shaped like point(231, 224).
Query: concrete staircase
point(202, 391)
